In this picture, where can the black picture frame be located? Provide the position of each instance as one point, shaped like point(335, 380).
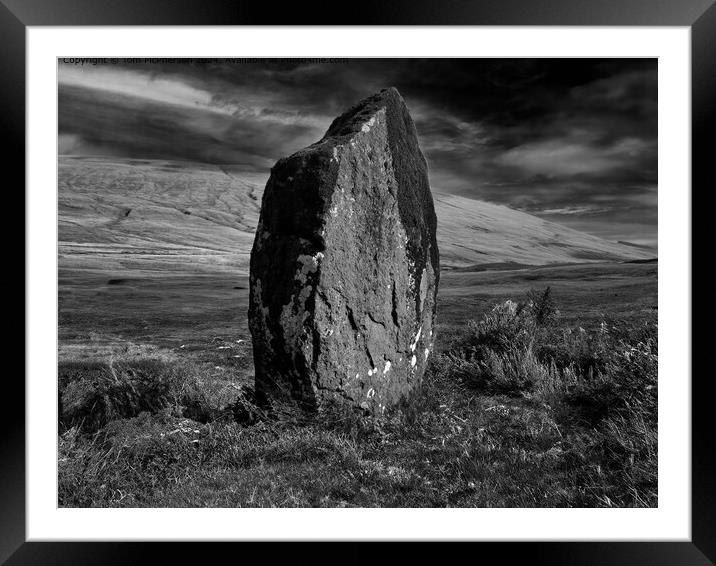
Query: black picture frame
point(699, 15)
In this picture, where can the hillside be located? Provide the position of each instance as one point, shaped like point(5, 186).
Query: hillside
point(472, 232)
point(119, 214)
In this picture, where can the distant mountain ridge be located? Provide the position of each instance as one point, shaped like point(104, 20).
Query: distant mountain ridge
point(116, 214)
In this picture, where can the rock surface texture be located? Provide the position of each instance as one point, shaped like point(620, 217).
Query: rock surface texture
point(345, 266)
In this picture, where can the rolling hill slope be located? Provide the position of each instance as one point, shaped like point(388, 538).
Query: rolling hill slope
point(119, 214)
point(472, 232)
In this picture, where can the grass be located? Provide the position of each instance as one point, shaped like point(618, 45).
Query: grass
point(95, 394)
point(519, 411)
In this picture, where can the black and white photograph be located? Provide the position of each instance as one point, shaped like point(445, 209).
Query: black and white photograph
point(364, 283)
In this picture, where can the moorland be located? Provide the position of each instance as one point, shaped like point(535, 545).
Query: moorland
point(542, 391)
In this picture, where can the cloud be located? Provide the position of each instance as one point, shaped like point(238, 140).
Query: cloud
point(564, 157)
point(114, 122)
point(136, 84)
point(238, 102)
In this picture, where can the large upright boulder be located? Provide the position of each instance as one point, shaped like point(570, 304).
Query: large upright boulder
point(345, 267)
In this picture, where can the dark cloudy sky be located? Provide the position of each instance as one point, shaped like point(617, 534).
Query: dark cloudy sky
point(570, 140)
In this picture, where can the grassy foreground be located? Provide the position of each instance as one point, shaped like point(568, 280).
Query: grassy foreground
point(519, 411)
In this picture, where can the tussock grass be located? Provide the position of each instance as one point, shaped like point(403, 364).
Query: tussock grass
point(520, 412)
point(94, 394)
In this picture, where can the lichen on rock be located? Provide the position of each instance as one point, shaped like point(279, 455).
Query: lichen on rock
point(345, 265)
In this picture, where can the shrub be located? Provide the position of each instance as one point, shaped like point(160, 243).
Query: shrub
point(497, 353)
point(126, 389)
point(600, 376)
point(627, 384)
point(584, 352)
point(540, 307)
point(506, 327)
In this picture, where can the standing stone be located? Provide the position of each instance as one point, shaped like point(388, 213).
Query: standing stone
point(345, 266)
